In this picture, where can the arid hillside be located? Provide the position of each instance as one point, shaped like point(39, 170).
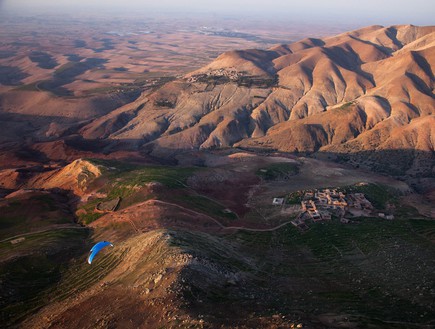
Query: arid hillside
point(248, 193)
point(59, 74)
point(361, 93)
point(205, 247)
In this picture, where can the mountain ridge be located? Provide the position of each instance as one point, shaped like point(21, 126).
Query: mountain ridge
point(290, 97)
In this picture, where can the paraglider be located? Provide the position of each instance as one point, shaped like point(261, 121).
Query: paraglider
point(96, 249)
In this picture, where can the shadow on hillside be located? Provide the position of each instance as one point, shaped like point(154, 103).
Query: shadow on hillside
point(11, 75)
point(67, 73)
point(401, 163)
point(37, 131)
point(223, 298)
point(42, 243)
point(43, 60)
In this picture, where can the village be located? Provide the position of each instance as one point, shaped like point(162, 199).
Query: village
point(230, 74)
point(326, 204)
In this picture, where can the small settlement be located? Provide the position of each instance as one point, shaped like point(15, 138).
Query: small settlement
point(321, 205)
point(231, 74)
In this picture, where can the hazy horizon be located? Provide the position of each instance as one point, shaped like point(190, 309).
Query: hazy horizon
point(417, 12)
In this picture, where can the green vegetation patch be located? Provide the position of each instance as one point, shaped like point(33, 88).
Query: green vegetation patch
point(86, 212)
point(206, 206)
point(375, 271)
point(295, 197)
point(278, 171)
point(346, 105)
point(377, 194)
point(125, 181)
point(128, 175)
point(206, 246)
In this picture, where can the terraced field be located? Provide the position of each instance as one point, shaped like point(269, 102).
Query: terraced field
point(49, 281)
point(83, 276)
point(33, 267)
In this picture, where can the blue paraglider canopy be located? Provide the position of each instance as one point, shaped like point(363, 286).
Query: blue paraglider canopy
point(96, 249)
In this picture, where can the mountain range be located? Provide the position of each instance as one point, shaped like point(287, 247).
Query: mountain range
point(198, 184)
point(352, 95)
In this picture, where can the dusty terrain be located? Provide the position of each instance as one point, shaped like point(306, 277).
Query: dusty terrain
point(145, 135)
point(59, 74)
point(365, 96)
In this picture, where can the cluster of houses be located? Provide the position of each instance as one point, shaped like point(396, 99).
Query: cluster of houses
point(231, 74)
point(321, 205)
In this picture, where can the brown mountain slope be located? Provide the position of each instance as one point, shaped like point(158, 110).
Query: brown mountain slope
point(355, 92)
point(252, 61)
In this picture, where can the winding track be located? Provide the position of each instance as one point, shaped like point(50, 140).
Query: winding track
point(240, 228)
